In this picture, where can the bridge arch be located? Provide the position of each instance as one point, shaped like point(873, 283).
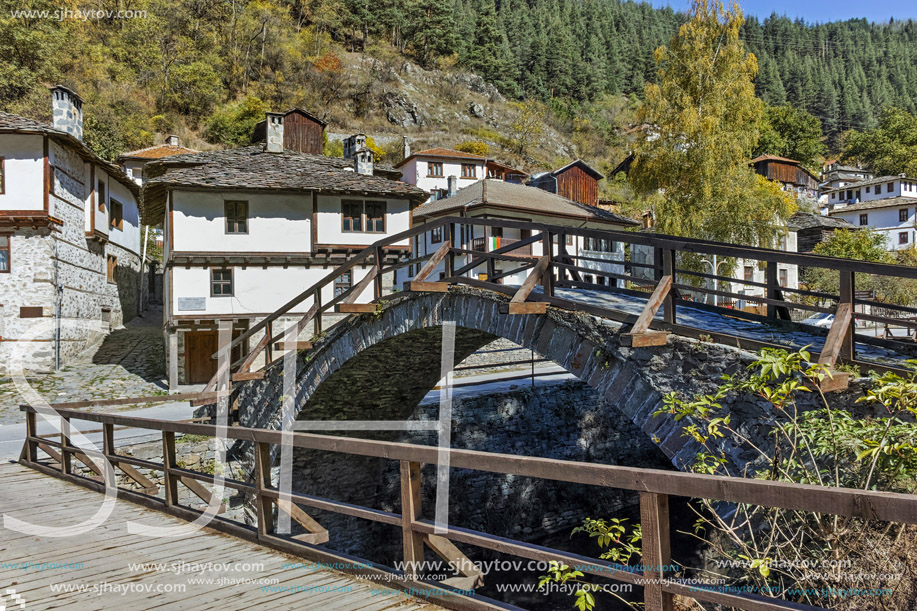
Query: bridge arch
point(379, 366)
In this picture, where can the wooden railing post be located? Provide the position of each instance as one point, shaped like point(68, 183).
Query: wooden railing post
point(377, 284)
point(31, 430)
point(668, 269)
point(269, 347)
point(410, 512)
point(774, 292)
point(66, 457)
point(657, 555)
point(170, 480)
point(848, 351)
point(547, 277)
point(318, 313)
point(263, 480)
point(108, 449)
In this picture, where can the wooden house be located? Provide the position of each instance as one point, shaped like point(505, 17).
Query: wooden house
point(577, 181)
point(303, 132)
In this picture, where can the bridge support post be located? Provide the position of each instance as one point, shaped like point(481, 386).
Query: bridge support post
point(547, 277)
point(667, 268)
point(168, 462)
point(839, 343)
point(263, 503)
point(657, 554)
point(410, 512)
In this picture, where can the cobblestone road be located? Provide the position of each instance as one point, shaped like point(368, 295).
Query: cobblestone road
point(129, 363)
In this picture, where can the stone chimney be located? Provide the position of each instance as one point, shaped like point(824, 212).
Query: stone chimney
point(273, 141)
point(352, 144)
point(172, 140)
point(363, 161)
point(405, 147)
point(67, 111)
point(453, 186)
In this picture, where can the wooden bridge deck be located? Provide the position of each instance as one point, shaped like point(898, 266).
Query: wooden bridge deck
point(100, 561)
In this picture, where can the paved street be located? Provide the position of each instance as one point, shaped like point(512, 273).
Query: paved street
point(129, 363)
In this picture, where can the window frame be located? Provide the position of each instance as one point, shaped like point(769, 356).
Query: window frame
point(903, 238)
point(431, 165)
point(111, 262)
point(878, 189)
point(864, 220)
point(231, 223)
point(436, 235)
point(383, 205)
point(113, 205)
point(231, 281)
point(9, 253)
point(343, 286)
point(358, 218)
point(101, 192)
point(473, 171)
point(904, 212)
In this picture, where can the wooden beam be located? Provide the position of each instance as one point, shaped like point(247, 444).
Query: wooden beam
point(410, 512)
point(200, 491)
point(248, 375)
point(640, 335)
point(250, 358)
point(430, 265)
point(281, 345)
point(657, 555)
point(417, 286)
point(317, 534)
point(517, 304)
point(471, 578)
point(355, 308)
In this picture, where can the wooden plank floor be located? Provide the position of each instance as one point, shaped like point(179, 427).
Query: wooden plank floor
point(176, 573)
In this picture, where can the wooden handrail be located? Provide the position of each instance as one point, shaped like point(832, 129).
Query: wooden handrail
point(654, 486)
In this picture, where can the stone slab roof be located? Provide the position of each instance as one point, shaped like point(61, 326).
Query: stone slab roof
point(528, 199)
point(811, 220)
point(157, 152)
point(872, 181)
point(250, 168)
point(16, 124)
point(876, 204)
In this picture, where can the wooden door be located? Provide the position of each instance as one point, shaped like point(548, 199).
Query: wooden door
point(200, 365)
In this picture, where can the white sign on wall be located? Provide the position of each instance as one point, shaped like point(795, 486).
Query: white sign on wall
point(192, 304)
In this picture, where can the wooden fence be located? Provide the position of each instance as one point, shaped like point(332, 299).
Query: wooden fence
point(654, 488)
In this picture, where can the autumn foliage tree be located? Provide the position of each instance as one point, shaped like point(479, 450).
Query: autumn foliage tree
point(704, 116)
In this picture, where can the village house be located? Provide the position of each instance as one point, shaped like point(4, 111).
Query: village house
point(789, 173)
point(835, 175)
point(432, 169)
point(885, 204)
point(133, 162)
point(577, 181)
point(303, 132)
point(69, 239)
point(812, 229)
point(492, 199)
point(248, 229)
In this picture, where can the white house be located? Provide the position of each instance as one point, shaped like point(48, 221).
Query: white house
point(836, 175)
point(885, 204)
point(496, 199)
point(430, 170)
point(248, 229)
point(69, 239)
point(134, 162)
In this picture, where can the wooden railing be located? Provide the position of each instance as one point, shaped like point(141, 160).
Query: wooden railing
point(566, 270)
point(654, 487)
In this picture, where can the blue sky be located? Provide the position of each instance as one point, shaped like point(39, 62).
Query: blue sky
point(819, 10)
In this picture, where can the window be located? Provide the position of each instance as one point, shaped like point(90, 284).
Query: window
point(112, 268)
point(902, 237)
point(749, 273)
point(220, 282)
point(4, 254)
point(867, 189)
point(903, 214)
point(375, 217)
point(858, 194)
point(469, 170)
point(783, 277)
point(864, 219)
point(342, 283)
point(353, 216)
point(849, 195)
point(116, 216)
point(589, 278)
point(436, 235)
point(101, 193)
point(236, 216)
point(2, 177)
point(878, 189)
point(31, 312)
point(891, 187)
point(435, 168)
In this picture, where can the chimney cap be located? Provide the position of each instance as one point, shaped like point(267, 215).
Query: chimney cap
point(69, 91)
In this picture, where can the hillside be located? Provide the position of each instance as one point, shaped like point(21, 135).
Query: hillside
point(408, 66)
